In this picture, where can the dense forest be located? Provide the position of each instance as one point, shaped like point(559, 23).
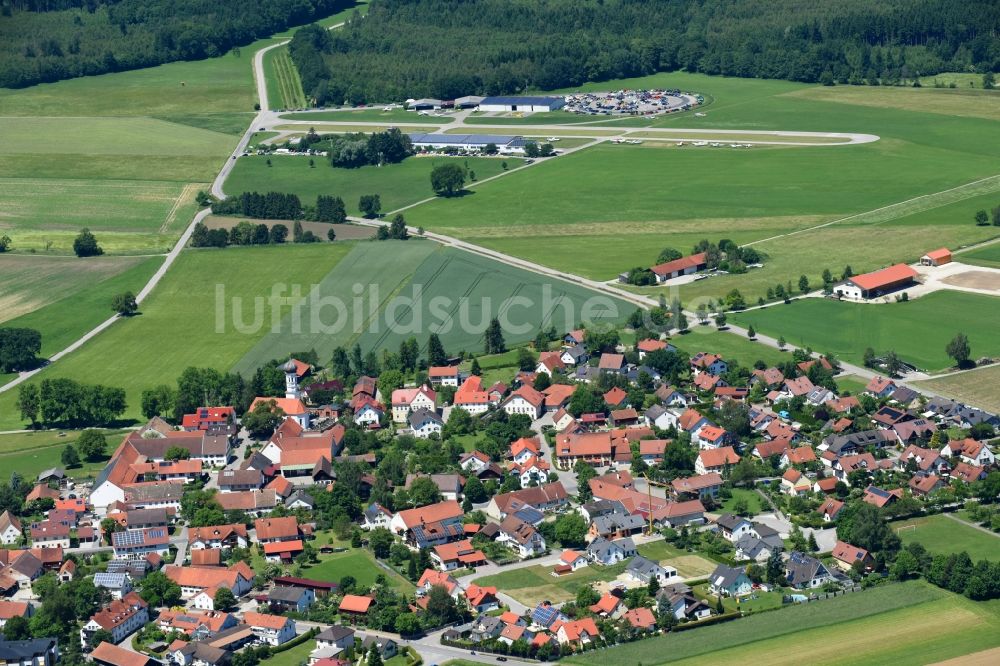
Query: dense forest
point(49, 40)
point(445, 49)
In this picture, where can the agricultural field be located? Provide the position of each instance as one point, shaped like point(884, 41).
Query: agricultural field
point(64, 297)
point(398, 185)
point(988, 255)
point(414, 288)
point(846, 329)
point(980, 387)
point(184, 336)
point(893, 624)
point(282, 79)
point(610, 208)
point(945, 535)
point(729, 346)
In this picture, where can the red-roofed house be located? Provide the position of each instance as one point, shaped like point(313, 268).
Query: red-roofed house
point(355, 606)
point(270, 629)
point(847, 556)
point(715, 460)
point(608, 606)
point(525, 400)
point(447, 375)
point(407, 400)
point(458, 554)
point(830, 509)
point(577, 632)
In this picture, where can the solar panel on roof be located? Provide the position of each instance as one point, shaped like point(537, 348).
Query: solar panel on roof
point(103, 579)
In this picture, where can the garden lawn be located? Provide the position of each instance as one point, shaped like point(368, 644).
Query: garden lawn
point(397, 184)
point(688, 565)
point(292, 657)
point(752, 498)
point(980, 388)
point(941, 534)
point(846, 329)
point(532, 585)
point(894, 624)
point(357, 563)
point(30, 453)
point(178, 326)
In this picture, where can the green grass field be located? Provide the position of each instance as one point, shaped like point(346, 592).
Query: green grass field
point(609, 208)
point(980, 388)
point(32, 452)
point(181, 335)
point(729, 346)
point(751, 497)
point(356, 563)
point(283, 81)
point(846, 329)
point(367, 115)
point(688, 566)
point(295, 656)
point(894, 624)
point(941, 534)
point(61, 305)
point(397, 184)
point(988, 256)
point(413, 288)
point(532, 585)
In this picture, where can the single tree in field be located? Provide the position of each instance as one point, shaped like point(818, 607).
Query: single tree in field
point(751, 333)
point(70, 458)
point(781, 343)
point(370, 205)
point(495, 343)
point(982, 218)
point(124, 304)
point(720, 320)
point(702, 313)
point(331, 235)
point(803, 284)
point(85, 245)
point(91, 444)
point(475, 369)
point(447, 179)
point(4, 243)
point(989, 81)
point(959, 350)
point(681, 322)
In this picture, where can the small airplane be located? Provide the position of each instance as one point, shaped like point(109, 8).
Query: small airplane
point(635, 142)
point(552, 138)
point(680, 143)
point(699, 115)
point(423, 113)
point(700, 143)
point(716, 144)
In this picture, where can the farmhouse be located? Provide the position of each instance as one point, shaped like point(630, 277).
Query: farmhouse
point(522, 103)
point(506, 145)
point(872, 285)
point(677, 267)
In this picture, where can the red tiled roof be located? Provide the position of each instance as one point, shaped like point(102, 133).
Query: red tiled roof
point(354, 603)
point(682, 264)
point(885, 277)
point(719, 457)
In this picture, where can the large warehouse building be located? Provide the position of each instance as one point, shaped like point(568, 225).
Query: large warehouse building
point(505, 144)
point(525, 104)
point(873, 285)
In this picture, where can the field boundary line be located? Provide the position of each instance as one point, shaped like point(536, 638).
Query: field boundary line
point(995, 177)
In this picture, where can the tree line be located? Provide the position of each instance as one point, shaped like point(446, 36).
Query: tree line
point(42, 41)
point(562, 43)
point(69, 403)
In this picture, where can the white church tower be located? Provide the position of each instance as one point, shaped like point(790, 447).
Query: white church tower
point(291, 381)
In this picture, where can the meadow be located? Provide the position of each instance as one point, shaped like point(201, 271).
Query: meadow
point(893, 624)
point(283, 83)
point(846, 329)
point(945, 535)
point(30, 453)
point(398, 185)
point(610, 208)
point(178, 326)
point(63, 297)
point(731, 347)
point(980, 388)
point(414, 288)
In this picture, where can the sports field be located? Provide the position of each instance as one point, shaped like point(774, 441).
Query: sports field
point(893, 624)
point(409, 289)
point(178, 325)
point(64, 297)
point(397, 184)
point(846, 329)
point(944, 535)
point(980, 388)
